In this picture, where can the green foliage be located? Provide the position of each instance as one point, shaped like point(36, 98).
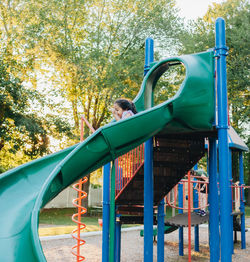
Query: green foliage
point(96, 178)
point(169, 84)
point(23, 133)
point(97, 47)
point(19, 129)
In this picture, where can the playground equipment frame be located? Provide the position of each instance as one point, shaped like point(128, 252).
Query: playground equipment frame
point(219, 240)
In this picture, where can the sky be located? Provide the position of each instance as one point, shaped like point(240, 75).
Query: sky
point(192, 9)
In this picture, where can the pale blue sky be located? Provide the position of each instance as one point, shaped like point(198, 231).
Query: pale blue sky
point(192, 9)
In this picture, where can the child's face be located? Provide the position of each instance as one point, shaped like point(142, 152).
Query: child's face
point(118, 110)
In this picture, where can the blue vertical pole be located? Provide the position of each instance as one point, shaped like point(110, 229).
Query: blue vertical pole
point(105, 214)
point(148, 201)
point(225, 216)
point(148, 171)
point(160, 232)
point(213, 198)
point(117, 239)
point(180, 198)
point(112, 212)
point(196, 228)
point(231, 199)
point(149, 54)
point(242, 202)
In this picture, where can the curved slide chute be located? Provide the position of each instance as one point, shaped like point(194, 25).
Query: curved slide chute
point(27, 188)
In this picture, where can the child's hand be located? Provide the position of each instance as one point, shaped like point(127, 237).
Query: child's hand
point(113, 111)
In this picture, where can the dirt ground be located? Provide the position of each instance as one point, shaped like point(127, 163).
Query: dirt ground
point(132, 247)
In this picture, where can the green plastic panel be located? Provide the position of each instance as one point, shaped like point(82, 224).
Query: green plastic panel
point(26, 189)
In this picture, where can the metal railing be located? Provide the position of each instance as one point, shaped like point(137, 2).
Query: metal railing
point(127, 166)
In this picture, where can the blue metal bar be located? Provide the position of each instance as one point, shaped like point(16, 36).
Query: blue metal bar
point(148, 172)
point(231, 199)
point(112, 212)
point(180, 198)
point(196, 204)
point(213, 198)
point(196, 228)
point(160, 232)
point(148, 201)
point(225, 216)
point(117, 239)
point(105, 214)
point(242, 202)
point(149, 54)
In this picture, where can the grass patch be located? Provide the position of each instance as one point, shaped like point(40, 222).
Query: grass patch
point(62, 216)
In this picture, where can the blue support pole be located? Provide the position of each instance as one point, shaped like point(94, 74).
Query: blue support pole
point(148, 172)
point(117, 239)
point(149, 54)
point(112, 213)
point(213, 198)
point(196, 228)
point(105, 214)
point(231, 199)
point(225, 216)
point(148, 201)
point(242, 202)
point(180, 198)
point(160, 232)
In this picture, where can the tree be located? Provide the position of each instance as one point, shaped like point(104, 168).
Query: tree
point(98, 47)
point(19, 130)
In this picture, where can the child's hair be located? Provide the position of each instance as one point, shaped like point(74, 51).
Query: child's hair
point(126, 104)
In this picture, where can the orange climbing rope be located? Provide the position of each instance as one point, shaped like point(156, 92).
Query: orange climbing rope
point(77, 202)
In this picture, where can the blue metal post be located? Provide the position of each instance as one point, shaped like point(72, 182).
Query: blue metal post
point(148, 172)
point(148, 201)
point(213, 198)
point(242, 203)
point(149, 54)
point(160, 232)
point(117, 239)
point(231, 199)
point(105, 214)
point(196, 204)
point(225, 216)
point(196, 228)
point(180, 198)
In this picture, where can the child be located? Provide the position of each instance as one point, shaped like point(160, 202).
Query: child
point(202, 190)
point(123, 108)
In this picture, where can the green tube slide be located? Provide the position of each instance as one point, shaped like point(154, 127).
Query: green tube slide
point(27, 188)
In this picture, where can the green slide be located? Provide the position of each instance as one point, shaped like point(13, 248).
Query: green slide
point(27, 188)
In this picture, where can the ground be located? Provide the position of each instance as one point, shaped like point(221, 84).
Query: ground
point(59, 248)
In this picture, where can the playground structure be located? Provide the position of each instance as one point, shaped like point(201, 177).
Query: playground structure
point(174, 133)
